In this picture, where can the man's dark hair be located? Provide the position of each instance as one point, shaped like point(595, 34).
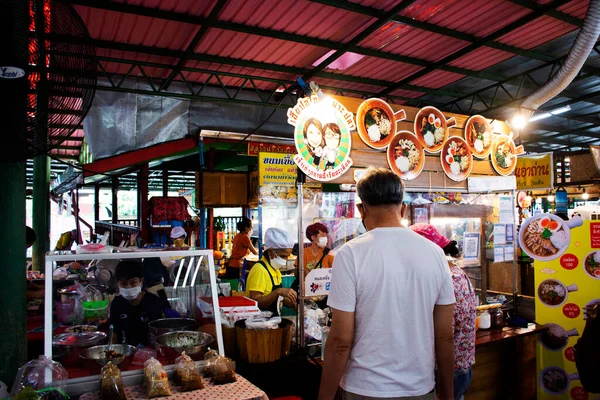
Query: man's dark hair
point(380, 187)
point(243, 224)
point(451, 249)
point(31, 236)
point(129, 269)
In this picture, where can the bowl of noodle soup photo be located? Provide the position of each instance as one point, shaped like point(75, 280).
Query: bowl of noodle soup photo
point(546, 237)
point(591, 264)
point(554, 293)
point(405, 155)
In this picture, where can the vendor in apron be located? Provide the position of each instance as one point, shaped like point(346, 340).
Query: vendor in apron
point(264, 280)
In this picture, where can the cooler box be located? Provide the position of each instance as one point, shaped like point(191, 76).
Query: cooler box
point(227, 305)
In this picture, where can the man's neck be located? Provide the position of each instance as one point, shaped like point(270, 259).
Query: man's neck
point(384, 218)
point(137, 300)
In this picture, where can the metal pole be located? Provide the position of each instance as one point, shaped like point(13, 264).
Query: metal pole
point(300, 319)
point(260, 232)
point(115, 200)
point(41, 210)
point(514, 244)
point(13, 314)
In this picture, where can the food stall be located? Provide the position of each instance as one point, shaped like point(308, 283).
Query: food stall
point(450, 163)
point(81, 350)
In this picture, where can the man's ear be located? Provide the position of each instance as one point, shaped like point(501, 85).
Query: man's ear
point(361, 210)
point(403, 209)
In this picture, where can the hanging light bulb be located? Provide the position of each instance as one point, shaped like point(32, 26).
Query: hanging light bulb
point(585, 195)
point(550, 197)
point(528, 197)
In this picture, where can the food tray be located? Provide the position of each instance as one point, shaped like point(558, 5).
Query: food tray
point(239, 390)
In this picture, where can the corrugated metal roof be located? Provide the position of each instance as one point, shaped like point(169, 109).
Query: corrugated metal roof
point(548, 35)
point(377, 68)
point(537, 32)
point(135, 29)
point(309, 19)
point(398, 38)
point(258, 48)
point(477, 17)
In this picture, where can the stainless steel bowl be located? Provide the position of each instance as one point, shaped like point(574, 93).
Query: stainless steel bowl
point(166, 325)
point(192, 342)
point(98, 353)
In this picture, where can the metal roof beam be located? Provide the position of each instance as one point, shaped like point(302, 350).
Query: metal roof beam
point(556, 14)
point(481, 42)
point(158, 51)
point(210, 21)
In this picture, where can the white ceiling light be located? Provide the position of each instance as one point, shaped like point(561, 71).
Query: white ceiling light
point(547, 114)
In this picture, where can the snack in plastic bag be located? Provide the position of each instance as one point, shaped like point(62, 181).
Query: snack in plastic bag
point(187, 374)
point(210, 356)
point(38, 375)
point(111, 384)
point(222, 370)
point(156, 379)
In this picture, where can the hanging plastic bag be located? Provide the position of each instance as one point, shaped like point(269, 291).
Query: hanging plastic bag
point(187, 374)
point(111, 383)
point(156, 380)
point(47, 378)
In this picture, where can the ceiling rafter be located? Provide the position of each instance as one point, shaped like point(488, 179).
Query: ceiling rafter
point(481, 42)
point(210, 21)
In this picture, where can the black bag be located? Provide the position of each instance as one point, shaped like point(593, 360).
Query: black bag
point(587, 352)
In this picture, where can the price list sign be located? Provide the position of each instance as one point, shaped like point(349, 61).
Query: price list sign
point(565, 284)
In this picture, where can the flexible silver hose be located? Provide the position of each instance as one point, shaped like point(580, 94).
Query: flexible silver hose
point(581, 49)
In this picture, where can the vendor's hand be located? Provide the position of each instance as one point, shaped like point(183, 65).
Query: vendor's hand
point(290, 294)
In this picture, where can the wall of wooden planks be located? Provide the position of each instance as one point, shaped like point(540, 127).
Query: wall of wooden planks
point(432, 177)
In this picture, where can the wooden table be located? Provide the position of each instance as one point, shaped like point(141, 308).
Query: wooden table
point(505, 363)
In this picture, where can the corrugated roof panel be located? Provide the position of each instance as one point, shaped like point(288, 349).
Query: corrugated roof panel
point(377, 68)
point(192, 7)
point(402, 39)
point(482, 58)
point(437, 79)
point(257, 48)
point(406, 93)
point(537, 32)
point(477, 17)
point(135, 29)
point(380, 4)
point(576, 8)
point(301, 17)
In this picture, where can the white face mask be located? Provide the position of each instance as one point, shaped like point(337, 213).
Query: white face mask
point(131, 293)
point(278, 262)
point(322, 241)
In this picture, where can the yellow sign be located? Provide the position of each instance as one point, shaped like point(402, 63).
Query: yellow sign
point(277, 179)
point(535, 172)
point(564, 286)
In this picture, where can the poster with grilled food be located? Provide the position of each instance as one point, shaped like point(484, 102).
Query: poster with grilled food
point(567, 281)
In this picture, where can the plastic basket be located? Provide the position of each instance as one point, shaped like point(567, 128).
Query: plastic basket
point(95, 310)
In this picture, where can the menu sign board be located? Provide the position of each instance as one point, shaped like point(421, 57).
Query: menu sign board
point(566, 282)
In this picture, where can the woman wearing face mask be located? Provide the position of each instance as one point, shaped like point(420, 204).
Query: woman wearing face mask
point(133, 309)
point(264, 279)
point(317, 255)
point(242, 247)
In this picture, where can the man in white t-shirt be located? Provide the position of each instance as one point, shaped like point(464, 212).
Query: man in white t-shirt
point(392, 299)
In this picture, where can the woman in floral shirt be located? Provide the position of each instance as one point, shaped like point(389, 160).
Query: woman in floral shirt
point(464, 311)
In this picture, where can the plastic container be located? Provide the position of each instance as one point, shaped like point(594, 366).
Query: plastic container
point(323, 341)
point(485, 320)
point(64, 312)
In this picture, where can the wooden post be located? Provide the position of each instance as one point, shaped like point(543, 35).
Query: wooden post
point(211, 229)
point(115, 200)
point(143, 217)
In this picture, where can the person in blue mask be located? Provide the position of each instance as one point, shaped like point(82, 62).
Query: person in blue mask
point(132, 309)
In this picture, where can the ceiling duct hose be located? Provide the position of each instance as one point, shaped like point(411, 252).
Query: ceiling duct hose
point(581, 49)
